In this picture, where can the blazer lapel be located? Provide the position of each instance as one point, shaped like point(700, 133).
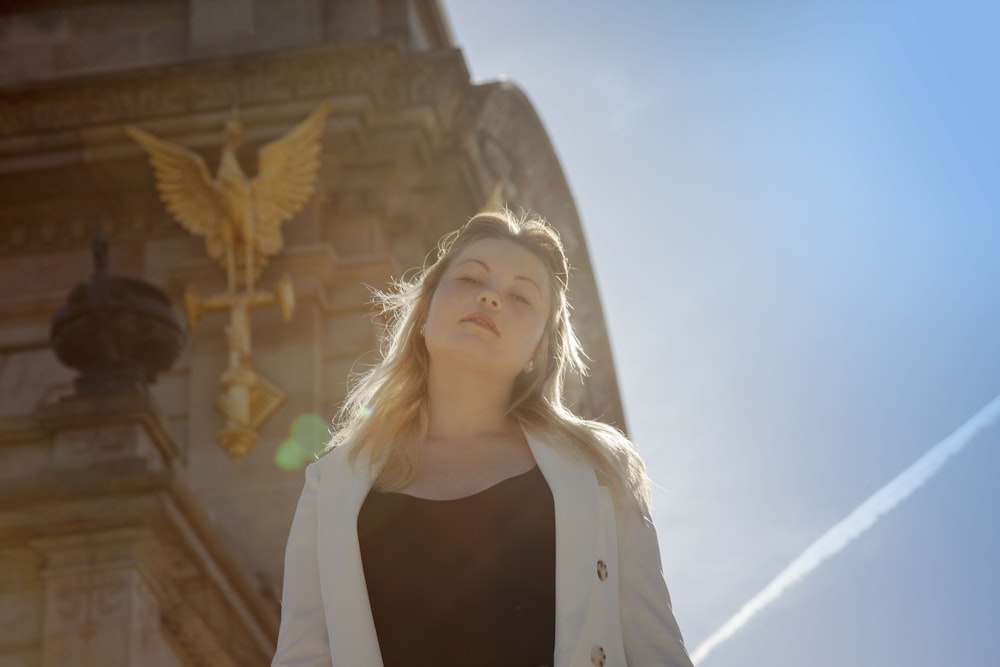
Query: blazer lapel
point(353, 640)
point(577, 511)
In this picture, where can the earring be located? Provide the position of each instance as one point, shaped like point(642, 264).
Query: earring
point(423, 329)
point(530, 367)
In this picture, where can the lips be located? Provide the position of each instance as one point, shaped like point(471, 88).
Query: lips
point(483, 320)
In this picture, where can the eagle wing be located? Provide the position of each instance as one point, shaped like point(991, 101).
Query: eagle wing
point(186, 188)
point(286, 175)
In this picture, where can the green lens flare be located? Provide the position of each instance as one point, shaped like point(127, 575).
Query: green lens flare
point(290, 455)
point(310, 433)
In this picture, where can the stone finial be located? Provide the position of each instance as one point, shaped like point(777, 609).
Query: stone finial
point(118, 332)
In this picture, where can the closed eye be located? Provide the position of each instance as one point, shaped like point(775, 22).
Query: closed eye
point(469, 279)
point(522, 299)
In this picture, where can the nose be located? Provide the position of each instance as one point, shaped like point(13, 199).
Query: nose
point(490, 298)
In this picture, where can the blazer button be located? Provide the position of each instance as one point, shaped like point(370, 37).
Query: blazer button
point(598, 656)
point(602, 570)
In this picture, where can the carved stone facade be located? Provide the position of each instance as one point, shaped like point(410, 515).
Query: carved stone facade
point(127, 536)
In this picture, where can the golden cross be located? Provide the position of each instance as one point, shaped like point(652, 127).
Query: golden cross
point(248, 399)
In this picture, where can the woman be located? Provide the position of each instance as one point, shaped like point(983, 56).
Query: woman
point(463, 515)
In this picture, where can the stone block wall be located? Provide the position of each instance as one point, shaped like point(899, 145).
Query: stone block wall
point(51, 39)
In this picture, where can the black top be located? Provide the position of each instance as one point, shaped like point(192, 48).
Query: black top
point(469, 581)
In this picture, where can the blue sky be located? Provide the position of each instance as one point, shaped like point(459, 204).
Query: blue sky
point(793, 209)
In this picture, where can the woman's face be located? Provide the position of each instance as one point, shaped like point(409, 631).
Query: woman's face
point(490, 309)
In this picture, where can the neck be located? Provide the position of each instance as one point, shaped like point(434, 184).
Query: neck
point(463, 405)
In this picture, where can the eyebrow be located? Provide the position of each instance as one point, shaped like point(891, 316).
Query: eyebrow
point(487, 267)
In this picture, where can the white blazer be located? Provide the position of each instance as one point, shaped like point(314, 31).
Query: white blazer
point(612, 605)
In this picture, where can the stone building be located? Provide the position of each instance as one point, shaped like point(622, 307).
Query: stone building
point(128, 535)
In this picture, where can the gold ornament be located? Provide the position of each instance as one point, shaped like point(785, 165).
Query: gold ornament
point(241, 221)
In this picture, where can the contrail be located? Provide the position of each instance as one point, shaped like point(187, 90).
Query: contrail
point(857, 522)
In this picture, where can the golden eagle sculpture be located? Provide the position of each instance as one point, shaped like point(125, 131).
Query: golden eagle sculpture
point(239, 217)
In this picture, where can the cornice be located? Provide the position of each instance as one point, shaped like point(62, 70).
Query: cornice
point(395, 78)
point(90, 412)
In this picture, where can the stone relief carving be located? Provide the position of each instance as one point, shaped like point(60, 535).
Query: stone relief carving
point(197, 643)
point(147, 614)
point(84, 601)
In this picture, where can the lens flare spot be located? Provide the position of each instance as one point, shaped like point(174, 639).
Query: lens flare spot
point(290, 455)
point(309, 435)
point(366, 412)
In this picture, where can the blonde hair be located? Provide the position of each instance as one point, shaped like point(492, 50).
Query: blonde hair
point(385, 411)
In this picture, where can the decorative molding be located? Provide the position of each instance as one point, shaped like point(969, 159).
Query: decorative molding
point(84, 447)
point(399, 108)
point(111, 599)
point(127, 411)
point(27, 231)
point(395, 78)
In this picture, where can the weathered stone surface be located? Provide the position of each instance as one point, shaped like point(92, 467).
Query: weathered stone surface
point(162, 45)
point(90, 37)
point(95, 19)
point(218, 25)
point(25, 62)
point(32, 27)
point(351, 20)
point(23, 459)
point(57, 272)
point(21, 606)
point(96, 53)
point(27, 377)
point(87, 617)
point(99, 582)
point(87, 447)
point(349, 335)
point(287, 23)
